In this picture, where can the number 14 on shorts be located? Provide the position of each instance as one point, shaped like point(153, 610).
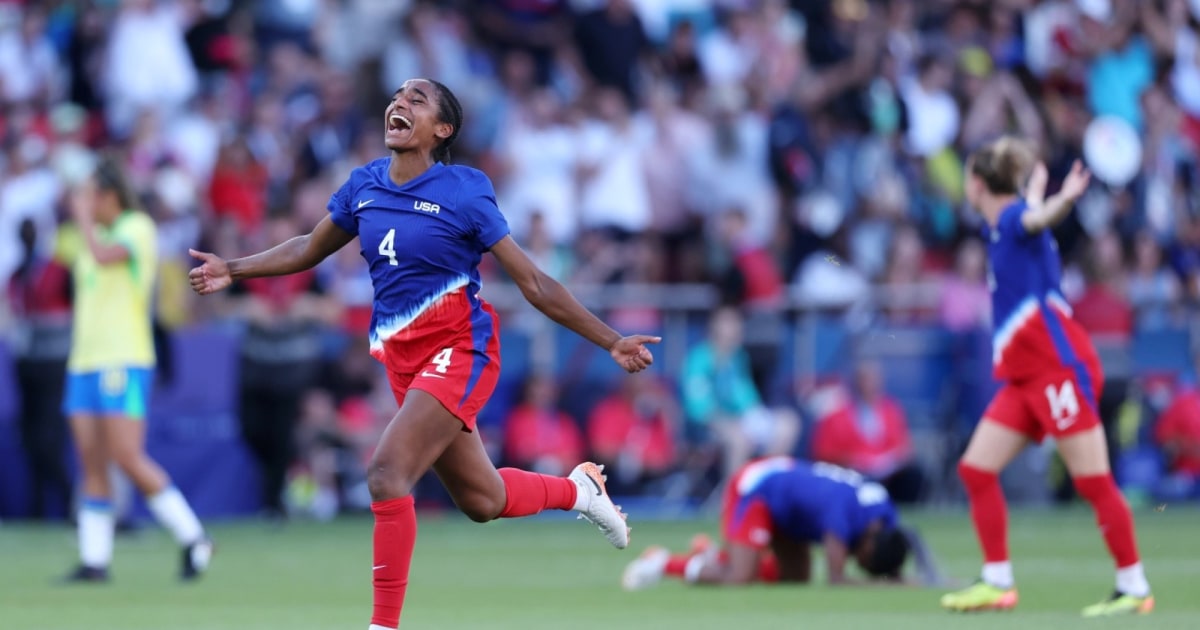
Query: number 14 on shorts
point(441, 363)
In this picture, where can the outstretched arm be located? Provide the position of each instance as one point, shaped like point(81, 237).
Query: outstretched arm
point(291, 256)
point(1047, 213)
point(550, 297)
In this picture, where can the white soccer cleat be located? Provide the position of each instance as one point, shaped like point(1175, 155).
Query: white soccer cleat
point(647, 570)
point(596, 507)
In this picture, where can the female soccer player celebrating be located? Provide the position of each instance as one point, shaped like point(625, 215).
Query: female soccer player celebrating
point(1051, 377)
point(110, 373)
point(423, 226)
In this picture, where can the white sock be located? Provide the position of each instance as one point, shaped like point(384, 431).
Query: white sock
point(998, 574)
point(583, 496)
point(1132, 581)
point(173, 512)
point(95, 533)
point(378, 627)
point(693, 568)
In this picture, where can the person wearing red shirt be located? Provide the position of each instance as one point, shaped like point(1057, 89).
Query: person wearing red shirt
point(632, 432)
point(869, 434)
point(540, 437)
point(40, 295)
point(238, 188)
point(1178, 433)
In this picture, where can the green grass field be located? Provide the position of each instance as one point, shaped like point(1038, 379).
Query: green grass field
point(553, 573)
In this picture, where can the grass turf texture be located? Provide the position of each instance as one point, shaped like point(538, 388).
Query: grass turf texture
point(551, 573)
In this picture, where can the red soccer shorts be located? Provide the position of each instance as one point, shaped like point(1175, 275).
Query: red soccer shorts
point(1059, 403)
point(454, 371)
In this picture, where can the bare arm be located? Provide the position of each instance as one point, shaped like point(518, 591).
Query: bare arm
point(553, 299)
point(82, 206)
point(1158, 26)
point(1047, 213)
point(291, 256)
point(836, 555)
point(103, 253)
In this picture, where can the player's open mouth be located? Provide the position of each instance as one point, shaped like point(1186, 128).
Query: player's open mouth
point(396, 122)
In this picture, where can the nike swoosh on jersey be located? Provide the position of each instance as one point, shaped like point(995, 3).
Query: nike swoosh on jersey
point(430, 374)
point(363, 203)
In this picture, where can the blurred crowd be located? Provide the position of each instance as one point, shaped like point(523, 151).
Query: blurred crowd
point(782, 151)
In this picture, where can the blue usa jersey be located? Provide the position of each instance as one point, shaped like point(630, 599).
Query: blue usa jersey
point(1034, 329)
point(782, 496)
point(423, 242)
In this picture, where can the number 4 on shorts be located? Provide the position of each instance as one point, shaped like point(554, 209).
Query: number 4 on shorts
point(442, 360)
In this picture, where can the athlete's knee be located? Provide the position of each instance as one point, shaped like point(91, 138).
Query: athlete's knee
point(976, 479)
point(480, 507)
point(388, 478)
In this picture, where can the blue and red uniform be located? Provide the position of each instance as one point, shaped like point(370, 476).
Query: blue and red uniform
point(1050, 370)
point(800, 501)
point(423, 242)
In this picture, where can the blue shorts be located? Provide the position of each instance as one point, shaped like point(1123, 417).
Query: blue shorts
point(109, 392)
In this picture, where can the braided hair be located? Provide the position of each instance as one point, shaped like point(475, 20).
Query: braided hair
point(450, 112)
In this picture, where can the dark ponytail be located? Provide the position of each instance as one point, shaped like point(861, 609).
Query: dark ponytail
point(450, 112)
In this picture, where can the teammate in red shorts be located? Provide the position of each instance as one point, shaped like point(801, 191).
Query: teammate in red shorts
point(423, 226)
point(1051, 379)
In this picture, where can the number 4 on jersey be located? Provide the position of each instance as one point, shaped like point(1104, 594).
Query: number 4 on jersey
point(387, 247)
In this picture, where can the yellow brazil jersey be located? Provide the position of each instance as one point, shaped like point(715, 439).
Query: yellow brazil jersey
point(112, 323)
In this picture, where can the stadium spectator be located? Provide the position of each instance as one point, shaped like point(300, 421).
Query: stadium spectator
point(964, 296)
point(30, 190)
point(538, 436)
point(238, 187)
point(750, 278)
point(1177, 431)
point(537, 154)
point(281, 360)
point(869, 433)
point(29, 62)
point(633, 432)
point(722, 404)
point(1104, 311)
point(613, 195)
point(1152, 289)
point(612, 43)
point(148, 66)
point(39, 294)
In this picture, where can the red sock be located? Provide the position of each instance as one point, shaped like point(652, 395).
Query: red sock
point(677, 565)
point(768, 568)
point(395, 536)
point(1112, 515)
point(988, 511)
point(527, 493)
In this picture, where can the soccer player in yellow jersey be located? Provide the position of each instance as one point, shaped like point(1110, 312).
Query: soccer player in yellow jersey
point(110, 373)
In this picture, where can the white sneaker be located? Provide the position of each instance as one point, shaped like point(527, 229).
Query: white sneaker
point(647, 570)
point(596, 507)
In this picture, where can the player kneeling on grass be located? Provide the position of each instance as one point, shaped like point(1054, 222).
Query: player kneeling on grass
point(1051, 375)
point(774, 510)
